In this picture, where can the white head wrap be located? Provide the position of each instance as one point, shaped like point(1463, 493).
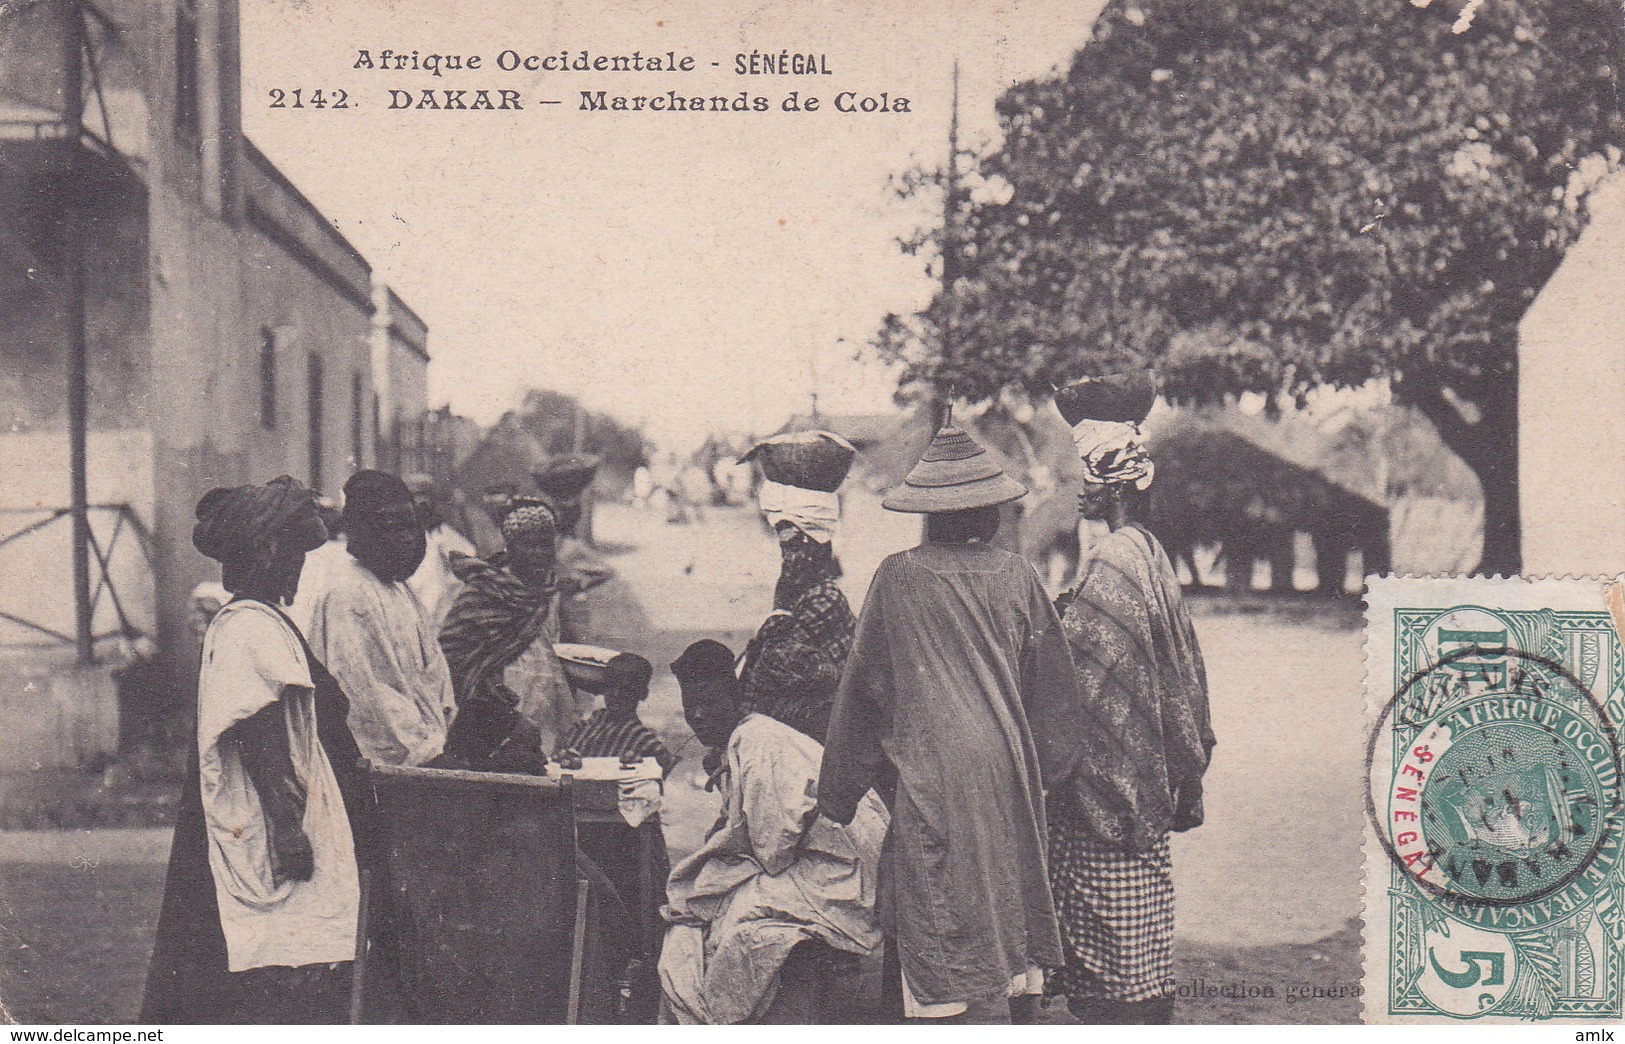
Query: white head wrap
point(1111, 452)
point(813, 512)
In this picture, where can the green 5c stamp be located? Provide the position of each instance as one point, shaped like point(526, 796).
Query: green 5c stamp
point(1494, 876)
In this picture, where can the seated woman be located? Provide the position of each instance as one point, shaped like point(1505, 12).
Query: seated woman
point(771, 875)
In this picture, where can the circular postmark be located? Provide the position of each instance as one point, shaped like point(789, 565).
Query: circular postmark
point(1495, 781)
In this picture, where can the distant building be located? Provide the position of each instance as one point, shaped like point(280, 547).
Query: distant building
point(400, 367)
point(231, 334)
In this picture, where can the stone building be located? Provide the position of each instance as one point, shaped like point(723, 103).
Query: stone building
point(178, 310)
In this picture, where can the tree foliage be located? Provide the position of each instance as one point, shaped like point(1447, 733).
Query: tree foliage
point(560, 425)
point(1271, 195)
point(1276, 195)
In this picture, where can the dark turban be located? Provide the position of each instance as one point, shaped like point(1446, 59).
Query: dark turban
point(705, 672)
point(370, 493)
point(247, 524)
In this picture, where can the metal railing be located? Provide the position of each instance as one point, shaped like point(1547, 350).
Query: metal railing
point(125, 520)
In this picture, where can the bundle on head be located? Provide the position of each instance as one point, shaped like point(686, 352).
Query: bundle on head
point(568, 475)
point(1125, 398)
point(817, 460)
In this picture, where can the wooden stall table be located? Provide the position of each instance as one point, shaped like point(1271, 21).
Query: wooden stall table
point(617, 814)
point(475, 906)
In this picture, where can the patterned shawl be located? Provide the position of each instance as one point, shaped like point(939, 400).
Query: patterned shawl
point(495, 619)
point(793, 665)
point(1126, 761)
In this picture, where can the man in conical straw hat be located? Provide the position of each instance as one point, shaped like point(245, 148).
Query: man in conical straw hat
point(955, 639)
point(1124, 762)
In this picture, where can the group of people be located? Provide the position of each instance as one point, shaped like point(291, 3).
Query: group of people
point(389, 641)
point(970, 780)
point(975, 781)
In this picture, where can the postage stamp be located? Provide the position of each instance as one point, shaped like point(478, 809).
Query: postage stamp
point(1494, 883)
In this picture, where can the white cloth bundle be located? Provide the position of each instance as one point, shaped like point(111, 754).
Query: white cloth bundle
point(812, 511)
point(1111, 452)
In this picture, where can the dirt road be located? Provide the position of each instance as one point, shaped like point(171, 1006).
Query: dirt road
point(1267, 889)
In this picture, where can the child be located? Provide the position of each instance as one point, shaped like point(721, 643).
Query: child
point(616, 731)
point(632, 948)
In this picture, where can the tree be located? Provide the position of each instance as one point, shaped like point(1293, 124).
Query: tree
point(560, 424)
point(1276, 195)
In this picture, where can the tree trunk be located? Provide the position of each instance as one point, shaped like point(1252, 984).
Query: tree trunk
point(1490, 448)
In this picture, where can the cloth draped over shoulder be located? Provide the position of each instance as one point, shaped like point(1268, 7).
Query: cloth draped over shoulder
point(252, 658)
point(187, 978)
point(1127, 757)
point(498, 639)
point(793, 666)
point(954, 641)
point(756, 888)
point(496, 617)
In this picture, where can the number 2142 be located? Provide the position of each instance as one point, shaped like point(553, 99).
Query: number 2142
point(317, 99)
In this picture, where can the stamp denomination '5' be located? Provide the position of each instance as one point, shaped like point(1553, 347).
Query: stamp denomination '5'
point(1493, 859)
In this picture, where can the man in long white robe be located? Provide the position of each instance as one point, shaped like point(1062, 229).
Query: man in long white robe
point(370, 629)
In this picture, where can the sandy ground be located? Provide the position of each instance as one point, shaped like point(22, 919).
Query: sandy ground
point(1268, 889)
point(1277, 861)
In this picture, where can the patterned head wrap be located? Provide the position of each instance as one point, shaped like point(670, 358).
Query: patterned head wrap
point(1111, 451)
point(529, 521)
point(1105, 414)
point(248, 525)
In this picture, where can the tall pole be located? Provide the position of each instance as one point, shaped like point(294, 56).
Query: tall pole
point(812, 381)
point(950, 243)
point(73, 244)
point(578, 430)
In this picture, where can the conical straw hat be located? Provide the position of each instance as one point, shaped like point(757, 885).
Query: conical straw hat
point(956, 473)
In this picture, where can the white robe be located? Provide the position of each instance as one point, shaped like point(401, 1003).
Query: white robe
point(252, 659)
point(741, 903)
point(435, 585)
point(374, 639)
point(315, 579)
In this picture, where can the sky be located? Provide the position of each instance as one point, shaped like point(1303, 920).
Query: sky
point(687, 272)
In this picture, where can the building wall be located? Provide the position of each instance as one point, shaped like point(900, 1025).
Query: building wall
point(1571, 396)
point(200, 438)
point(200, 254)
point(52, 711)
point(401, 365)
point(307, 294)
point(250, 281)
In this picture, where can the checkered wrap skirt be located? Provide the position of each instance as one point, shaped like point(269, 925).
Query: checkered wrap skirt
point(1116, 910)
